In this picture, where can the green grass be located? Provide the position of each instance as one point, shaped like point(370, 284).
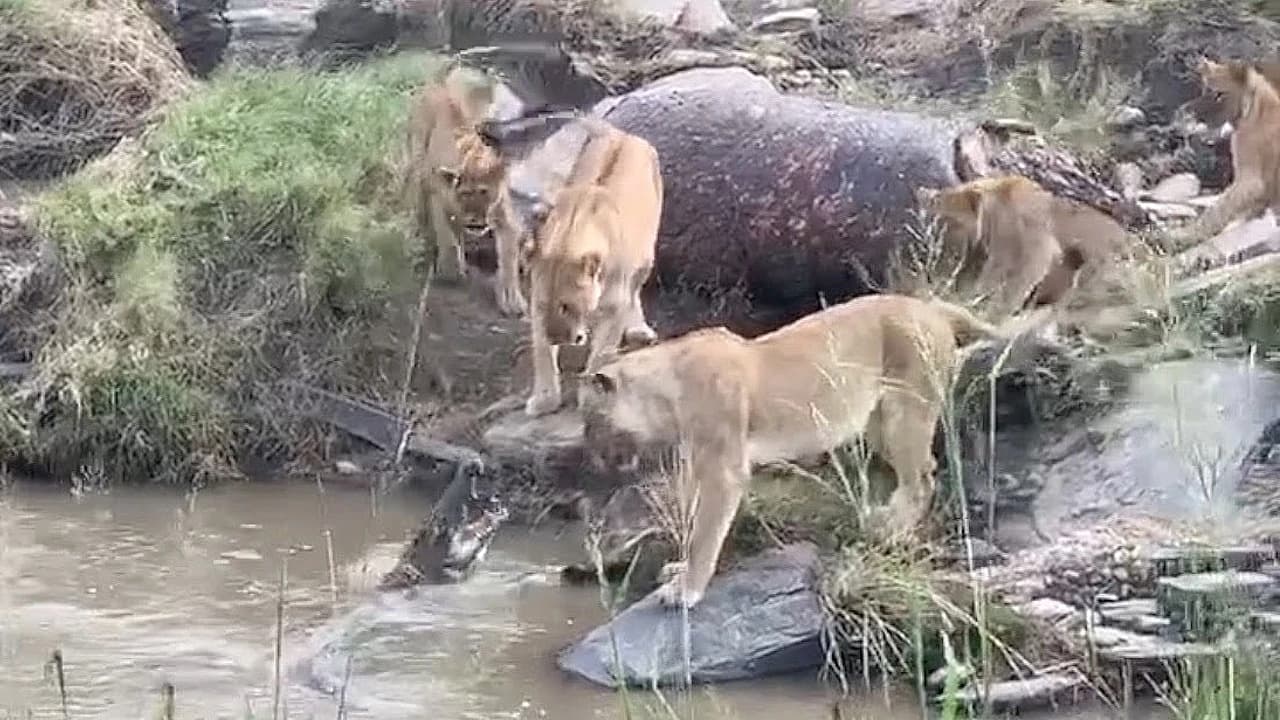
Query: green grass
point(253, 234)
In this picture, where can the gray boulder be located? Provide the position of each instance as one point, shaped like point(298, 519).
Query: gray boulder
point(762, 618)
point(1176, 444)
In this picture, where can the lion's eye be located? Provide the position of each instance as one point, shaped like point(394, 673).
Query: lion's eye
point(565, 309)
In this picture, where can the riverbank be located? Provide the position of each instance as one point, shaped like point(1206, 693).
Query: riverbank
point(249, 236)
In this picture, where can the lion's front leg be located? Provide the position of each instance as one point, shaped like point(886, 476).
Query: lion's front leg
point(716, 494)
point(506, 232)
point(637, 331)
point(546, 396)
point(450, 266)
point(1243, 199)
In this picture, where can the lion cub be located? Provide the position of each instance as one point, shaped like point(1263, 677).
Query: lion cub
point(877, 366)
point(458, 183)
point(1253, 107)
point(591, 256)
point(1036, 248)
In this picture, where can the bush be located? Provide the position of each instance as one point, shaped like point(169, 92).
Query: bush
point(251, 236)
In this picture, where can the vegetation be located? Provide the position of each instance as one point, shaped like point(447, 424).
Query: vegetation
point(252, 234)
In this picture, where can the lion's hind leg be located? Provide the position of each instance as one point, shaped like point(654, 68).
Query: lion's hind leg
point(905, 437)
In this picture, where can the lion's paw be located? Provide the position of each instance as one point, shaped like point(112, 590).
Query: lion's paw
point(511, 302)
point(540, 404)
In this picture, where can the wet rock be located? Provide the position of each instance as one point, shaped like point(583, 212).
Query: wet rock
point(783, 199)
point(1126, 116)
point(1147, 650)
point(1017, 695)
point(1178, 188)
point(788, 21)
point(762, 618)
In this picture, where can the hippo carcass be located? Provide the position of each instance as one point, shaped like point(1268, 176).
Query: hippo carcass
point(791, 199)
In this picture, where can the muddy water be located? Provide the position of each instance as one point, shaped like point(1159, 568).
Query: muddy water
point(140, 587)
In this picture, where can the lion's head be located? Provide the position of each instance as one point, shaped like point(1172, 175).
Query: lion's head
point(567, 259)
point(474, 185)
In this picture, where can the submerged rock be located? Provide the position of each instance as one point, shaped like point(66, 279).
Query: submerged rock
point(762, 618)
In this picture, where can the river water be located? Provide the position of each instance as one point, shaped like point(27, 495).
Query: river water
point(142, 586)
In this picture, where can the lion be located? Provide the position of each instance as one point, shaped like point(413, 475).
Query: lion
point(1035, 248)
point(877, 367)
point(458, 182)
point(591, 255)
point(1252, 109)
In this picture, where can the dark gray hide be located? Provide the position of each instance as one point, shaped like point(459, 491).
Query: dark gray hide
point(763, 618)
point(786, 197)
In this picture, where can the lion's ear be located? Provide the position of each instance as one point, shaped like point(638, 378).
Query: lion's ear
point(591, 264)
point(450, 175)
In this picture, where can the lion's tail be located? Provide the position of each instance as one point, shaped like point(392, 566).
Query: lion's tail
point(969, 328)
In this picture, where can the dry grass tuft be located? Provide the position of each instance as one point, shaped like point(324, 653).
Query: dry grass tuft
point(76, 77)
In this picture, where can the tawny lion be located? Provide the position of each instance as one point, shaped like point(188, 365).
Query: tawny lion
point(1036, 248)
point(458, 183)
point(590, 257)
point(877, 366)
point(1253, 108)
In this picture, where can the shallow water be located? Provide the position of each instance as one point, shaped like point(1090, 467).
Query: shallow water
point(139, 587)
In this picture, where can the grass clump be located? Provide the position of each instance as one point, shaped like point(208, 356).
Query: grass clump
point(252, 235)
point(75, 77)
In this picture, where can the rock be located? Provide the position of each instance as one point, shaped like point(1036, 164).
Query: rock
point(199, 28)
point(1241, 240)
point(1209, 586)
point(778, 199)
point(1126, 116)
point(697, 16)
point(1147, 650)
point(1047, 609)
point(927, 13)
point(788, 21)
point(762, 618)
point(1128, 178)
point(346, 467)
point(1168, 210)
point(1017, 695)
point(1170, 561)
point(1140, 616)
point(1122, 462)
point(1178, 188)
point(983, 553)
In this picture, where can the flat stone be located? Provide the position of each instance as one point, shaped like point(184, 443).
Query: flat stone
point(1048, 609)
point(1169, 561)
point(1013, 695)
point(1139, 615)
point(763, 618)
point(1168, 210)
point(1155, 650)
point(1212, 585)
point(788, 21)
point(1178, 188)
